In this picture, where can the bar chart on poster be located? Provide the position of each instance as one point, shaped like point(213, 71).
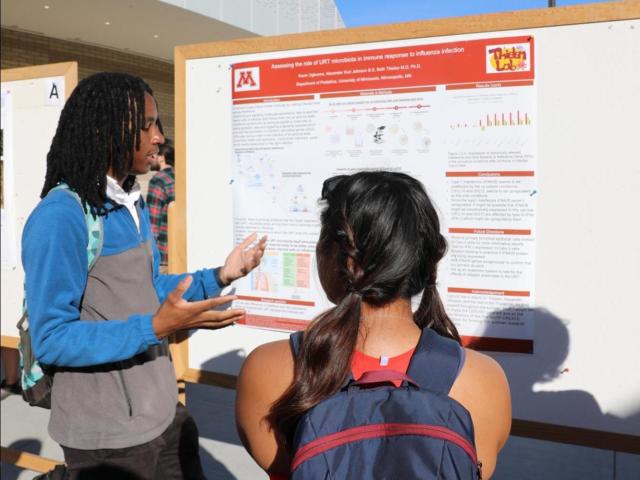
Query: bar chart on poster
point(500, 125)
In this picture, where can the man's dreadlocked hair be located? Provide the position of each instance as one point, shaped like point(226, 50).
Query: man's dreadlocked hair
point(99, 128)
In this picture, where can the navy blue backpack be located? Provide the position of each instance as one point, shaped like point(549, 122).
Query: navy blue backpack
point(371, 429)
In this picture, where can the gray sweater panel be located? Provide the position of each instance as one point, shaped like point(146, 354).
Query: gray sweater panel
point(120, 404)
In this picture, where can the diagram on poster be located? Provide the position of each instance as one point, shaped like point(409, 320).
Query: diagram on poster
point(459, 116)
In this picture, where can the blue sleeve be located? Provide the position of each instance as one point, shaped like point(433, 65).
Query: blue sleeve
point(54, 257)
point(204, 284)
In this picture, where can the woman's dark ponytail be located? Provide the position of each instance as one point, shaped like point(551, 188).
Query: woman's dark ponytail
point(322, 364)
point(431, 312)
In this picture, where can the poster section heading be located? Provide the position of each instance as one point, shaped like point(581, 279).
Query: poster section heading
point(487, 63)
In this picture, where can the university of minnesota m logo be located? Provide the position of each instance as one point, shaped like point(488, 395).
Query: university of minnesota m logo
point(246, 79)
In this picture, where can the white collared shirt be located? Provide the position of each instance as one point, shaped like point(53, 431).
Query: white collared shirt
point(128, 200)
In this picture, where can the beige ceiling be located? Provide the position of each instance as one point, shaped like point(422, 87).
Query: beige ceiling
point(133, 24)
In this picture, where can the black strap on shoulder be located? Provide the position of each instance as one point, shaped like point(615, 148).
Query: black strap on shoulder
point(435, 362)
point(295, 339)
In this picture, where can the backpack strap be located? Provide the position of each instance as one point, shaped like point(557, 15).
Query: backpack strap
point(95, 230)
point(95, 241)
point(434, 365)
point(435, 362)
point(295, 339)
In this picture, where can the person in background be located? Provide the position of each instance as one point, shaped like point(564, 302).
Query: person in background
point(114, 400)
point(161, 192)
point(379, 245)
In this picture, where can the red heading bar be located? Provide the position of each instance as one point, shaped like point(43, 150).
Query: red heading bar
point(493, 60)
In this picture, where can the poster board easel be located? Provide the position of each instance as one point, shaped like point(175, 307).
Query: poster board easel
point(69, 72)
point(560, 17)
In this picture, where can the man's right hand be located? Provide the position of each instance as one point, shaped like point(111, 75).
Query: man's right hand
point(176, 313)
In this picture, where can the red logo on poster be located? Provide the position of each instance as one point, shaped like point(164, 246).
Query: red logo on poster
point(246, 79)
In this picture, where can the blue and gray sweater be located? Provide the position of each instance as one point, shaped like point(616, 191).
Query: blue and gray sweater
point(114, 385)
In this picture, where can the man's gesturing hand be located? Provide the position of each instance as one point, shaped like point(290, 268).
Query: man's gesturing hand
point(176, 313)
point(243, 259)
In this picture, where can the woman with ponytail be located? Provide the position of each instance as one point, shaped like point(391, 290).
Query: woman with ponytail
point(379, 246)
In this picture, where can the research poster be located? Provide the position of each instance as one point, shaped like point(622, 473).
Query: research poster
point(459, 116)
point(7, 212)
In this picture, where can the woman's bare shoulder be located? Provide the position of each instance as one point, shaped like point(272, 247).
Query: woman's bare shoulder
point(485, 368)
point(265, 376)
point(482, 388)
point(484, 384)
point(272, 361)
point(270, 352)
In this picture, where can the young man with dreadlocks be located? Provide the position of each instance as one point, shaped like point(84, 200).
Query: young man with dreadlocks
point(114, 399)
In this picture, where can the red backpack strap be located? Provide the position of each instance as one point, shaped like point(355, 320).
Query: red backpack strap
point(435, 362)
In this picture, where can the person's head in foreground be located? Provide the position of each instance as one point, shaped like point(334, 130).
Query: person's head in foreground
point(108, 126)
point(379, 243)
point(379, 246)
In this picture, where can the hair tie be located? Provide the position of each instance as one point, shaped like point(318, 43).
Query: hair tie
point(352, 291)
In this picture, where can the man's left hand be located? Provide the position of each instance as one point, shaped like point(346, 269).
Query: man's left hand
point(243, 259)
